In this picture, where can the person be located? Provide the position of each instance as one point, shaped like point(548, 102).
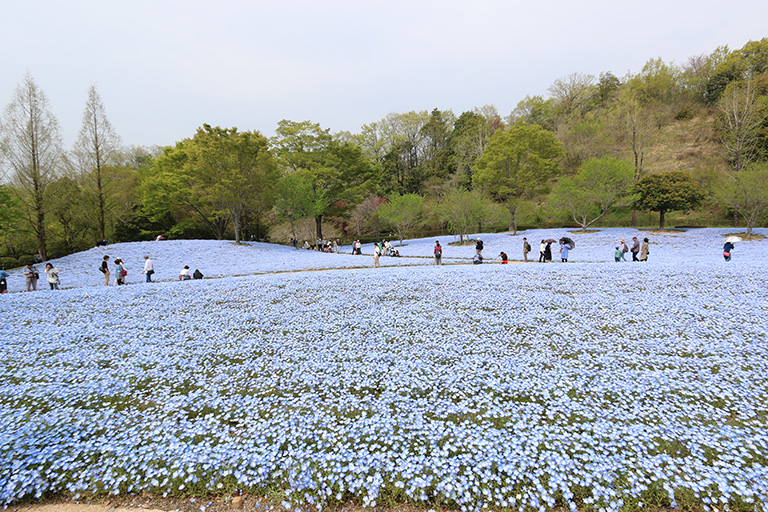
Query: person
point(104, 268)
point(376, 255)
point(149, 268)
point(306, 245)
point(617, 254)
point(479, 248)
point(3, 280)
point(335, 245)
point(184, 274)
point(542, 248)
point(644, 250)
point(358, 247)
point(624, 249)
point(438, 252)
point(503, 257)
point(526, 249)
point(32, 276)
point(119, 272)
point(102, 243)
point(160, 237)
point(548, 252)
point(635, 248)
point(727, 250)
point(564, 248)
point(37, 258)
point(197, 274)
point(52, 275)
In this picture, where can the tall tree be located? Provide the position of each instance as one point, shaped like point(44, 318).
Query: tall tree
point(518, 163)
point(402, 212)
point(33, 151)
point(667, 191)
point(296, 198)
point(464, 210)
point(740, 122)
point(747, 193)
point(96, 149)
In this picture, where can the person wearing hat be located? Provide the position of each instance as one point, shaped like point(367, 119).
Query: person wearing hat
point(624, 249)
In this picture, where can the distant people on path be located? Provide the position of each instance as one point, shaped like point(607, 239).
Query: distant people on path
point(3, 280)
point(376, 255)
point(31, 277)
point(120, 272)
point(635, 250)
point(357, 247)
point(624, 249)
point(184, 274)
point(479, 248)
point(197, 274)
point(564, 248)
point(104, 268)
point(526, 249)
point(548, 252)
point(438, 252)
point(644, 250)
point(542, 248)
point(102, 243)
point(503, 257)
point(149, 268)
point(727, 250)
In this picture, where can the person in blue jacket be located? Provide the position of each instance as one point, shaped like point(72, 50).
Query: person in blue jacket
point(727, 249)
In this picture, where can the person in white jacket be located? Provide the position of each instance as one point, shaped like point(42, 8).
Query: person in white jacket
point(149, 268)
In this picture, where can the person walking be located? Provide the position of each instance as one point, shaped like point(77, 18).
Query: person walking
point(624, 249)
point(105, 269)
point(149, 268)
point(727, 250)
point(376, 255)
point(32, 276)
point(644, 250)
point(52, 275)
point(438, 252)
point(635, 250)
point(526, 249)
point(542, 249)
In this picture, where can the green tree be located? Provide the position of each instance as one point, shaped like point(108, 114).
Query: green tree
point(747, 193)
point(463, 210)
point(599, 186)
point(297, 199)
point(32, 147)
point(402, 212)
point(742, 113)
point(516, 164)
point(466, 144)
point(668, 191)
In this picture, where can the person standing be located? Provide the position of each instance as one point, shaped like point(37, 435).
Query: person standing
point(119, 272)
point(727, 250)
point(3, 280)
point(635, 248)
point(105, 269)
point(548, 252)
point(479, 248)
point(149, 268)
point(376, 255)
point(526, 249)
point(32, 276)
point(644, 250)
point(438, 252)
point(52, 275)
point(542, 248)
point(564, 248)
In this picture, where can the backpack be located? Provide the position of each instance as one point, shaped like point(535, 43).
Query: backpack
point(438, 251)
point(527, 247)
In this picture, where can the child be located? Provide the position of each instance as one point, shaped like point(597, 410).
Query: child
point(617, 254)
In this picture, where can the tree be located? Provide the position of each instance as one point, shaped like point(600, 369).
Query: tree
point(741, 119)
point(747, 193)
point(516, 164)
point(463, 210)
point(32, 147)
point(402, 212)
point(296, 198)
point(667, 191)
point(466, 144)
point(361, 216)
point(96, 148)
point(234, 170)
point(599, 186)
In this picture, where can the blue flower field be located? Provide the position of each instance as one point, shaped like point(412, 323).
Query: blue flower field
point(589, 385)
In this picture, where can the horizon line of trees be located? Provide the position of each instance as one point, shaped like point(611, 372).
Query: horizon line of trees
point(576, 156)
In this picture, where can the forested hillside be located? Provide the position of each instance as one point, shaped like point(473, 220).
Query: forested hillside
point(670, 144)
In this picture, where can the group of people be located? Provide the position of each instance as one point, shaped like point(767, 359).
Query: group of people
point(31, 276)
point(320, 245)
point(639, 251)
point(545, 250)
point(149, 270)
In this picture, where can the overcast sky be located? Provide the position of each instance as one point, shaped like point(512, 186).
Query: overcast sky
point(163, 68)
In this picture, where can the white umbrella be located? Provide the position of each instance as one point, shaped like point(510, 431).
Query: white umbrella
point(733, 239)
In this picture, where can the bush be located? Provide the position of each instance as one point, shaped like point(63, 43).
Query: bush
point(10, 262)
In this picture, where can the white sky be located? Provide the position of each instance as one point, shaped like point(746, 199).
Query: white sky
point(164, 67)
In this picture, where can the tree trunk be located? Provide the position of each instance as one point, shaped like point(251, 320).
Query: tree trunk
point(319, 226)
point(661, 220)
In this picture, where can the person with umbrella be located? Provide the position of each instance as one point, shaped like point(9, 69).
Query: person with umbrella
point(548, 252)
point(729, 246)
point(566, 244)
